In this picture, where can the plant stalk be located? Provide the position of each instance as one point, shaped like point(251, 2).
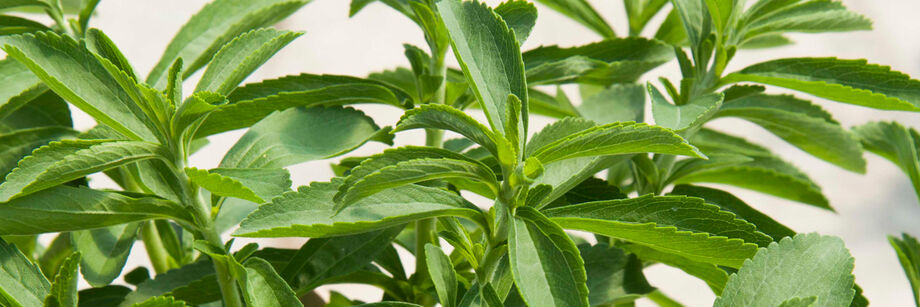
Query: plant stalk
point(155, 248)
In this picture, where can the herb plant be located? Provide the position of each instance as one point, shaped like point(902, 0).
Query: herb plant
point(516, 251)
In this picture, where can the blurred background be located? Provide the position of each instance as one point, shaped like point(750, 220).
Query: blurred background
point(869, 206)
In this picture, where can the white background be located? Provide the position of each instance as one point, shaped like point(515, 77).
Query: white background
point(868, 206)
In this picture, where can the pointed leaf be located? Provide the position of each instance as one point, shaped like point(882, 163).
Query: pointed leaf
point(894, 142)
point(221, 185)
point(161, 301)
point(616, 139)
point(615, 60)
point(679, 225)
point(546, 265)
point(803, 266)
point(240, 57)
point(213, 26)
point(300, 135)
point(806, 16)
point(20, 143)
point(74, 73)
point(614, 277)
point(442, 275)
point(47, 109)
point(105, 251)
point(521, 16)
point(847, 81)
point(189, 276)
point(714, 276)
point(63, 161)
point(908, 250)
point(696, 19)
point(21, 281)
point(490, 58)
point(816, 135)
point(617, 103)
point(581, 12)
point(730, 203)
point(65, 208)
point(682, 117)
point(310, 212)
point(64, 288)
point(252, 103)
point(640, 12)
point(17, 80)
point(263, 287)
point(436, 116)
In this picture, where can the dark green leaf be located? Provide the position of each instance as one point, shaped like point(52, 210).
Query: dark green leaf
point(188, 277)
point(581, 12)
point(616, 139)
point(894, 142)
point(804, 16)
point(64, 288)
point(613, 276)
point(108, 296)
point(714, 276)
point(240, 57)
point(442, 275)
point(616, 60)
point(321, 259)
point(520, 16)
point(161, 301)
point(908, 250)
point(686, 116)
point(221, 185)
point(20, 143)
point(262, 286)
point(730, 203)
point(105, 251)
point(22, 282)
point(435, 116)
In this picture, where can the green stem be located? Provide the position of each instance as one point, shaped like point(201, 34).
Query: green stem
point(155, 248)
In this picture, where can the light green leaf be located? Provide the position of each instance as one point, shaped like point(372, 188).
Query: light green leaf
point(189, 278)
point(20, 143)
point(213, 26)
point(21, 281)
point(803, 266)
point(299, 135)
point(614, 277)
point(616, 139)
point(581, 12)
point(266, 183)
point(77, 75)
point(413, 171)
point(240, 57)
point(102, 45)
point(617, 103)
point(252, 103)
point(310, 212)
point(908, 250)
point(767, 41)
point(545, 263)
point(714, 276)
point(686, 116)
point(17, 81)
point(262, 286)
point(442, 275)
point(730, 203)
point(782, 115)
point(436, 116)
point(161, 301)
point(557, 131)
point(799, 302)
point(321, 259)
point(63, 161)
point(696, 19)
point(716, 161)
point(805, 16)
point(615, 60)
point(679, 225)
point(541, 103)
point(672, 30)
point(640, 12)
point(520, 15)
point(894, 142)
point(65, 208)
point(64, 288)
point(847, 81)
point(221, 185)
point(105, 251)
point(490, 58)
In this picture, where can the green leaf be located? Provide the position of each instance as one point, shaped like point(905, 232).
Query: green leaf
point(63, 161)
point(581, 12)
point(442, 275)
point(17, 25)
point(105, 296)
point(490, 58)
point(262, 286)
point(617, 103)
point(894, 142)
point(299, 135)
point(799, 302)
point(20, 143)
point(77, 75)
point(696, 19)
point(105, 251)
point(521, 16)
point(17, 81)
point(102, 45)
point(216, 24)
point(613, 276)
point(847, 81)
point(64, 288)
point(672, 30)
point(436, 116)
point(714, 276)
point(773, 175)
point(266, 183)
point(240, 57)
point(615, 60)
point(908, 250)
point(730, 203)
point(805, 16)
point(679, 225)
point(803, 266)
point(616, 139)
point(161, 301)
point(252, 103)
point(310, 212)
point(188, 278)
point(782, 115)
point(545, 263)
point(321, 259)
point(640, 12)
point(221, 185)
point(541, 103)
point(21, 281)
point(767, 41)
point(686, 116)
point(66, 208)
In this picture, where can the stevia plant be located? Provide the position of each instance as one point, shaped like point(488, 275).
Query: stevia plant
point(515, 252)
